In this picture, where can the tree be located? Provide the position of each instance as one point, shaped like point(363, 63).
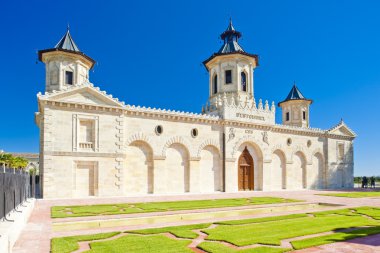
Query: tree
point(5, 159)
point(18, 162)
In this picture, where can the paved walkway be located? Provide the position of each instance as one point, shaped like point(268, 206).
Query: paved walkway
point(35, 238)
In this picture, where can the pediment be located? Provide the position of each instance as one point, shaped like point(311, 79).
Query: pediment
point(343, 130)
point(84, 95)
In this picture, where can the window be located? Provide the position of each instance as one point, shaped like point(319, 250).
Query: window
point(194, 132)
point(228, 76)
point(159, 130)
point(304, 115)
point(340, 151)
point(215, 85)
point(243, 81)
point(287, 116)
point(86, 134)
point(69, 77)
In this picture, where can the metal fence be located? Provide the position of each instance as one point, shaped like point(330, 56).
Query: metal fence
point(15, 188)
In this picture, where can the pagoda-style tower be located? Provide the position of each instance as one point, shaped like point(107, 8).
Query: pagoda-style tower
point(231, 68)
point(295, 109)
point(65, 64)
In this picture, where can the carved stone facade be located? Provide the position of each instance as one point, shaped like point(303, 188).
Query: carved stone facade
point(94, 145)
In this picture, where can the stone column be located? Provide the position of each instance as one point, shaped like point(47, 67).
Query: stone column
point(231, 175)
point(309, 176)
point(194, 175)
point(267, 173)
point(159, 175)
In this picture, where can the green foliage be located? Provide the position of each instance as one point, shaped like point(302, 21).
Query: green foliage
point(141, 244)
point(337, 237)
point(214, 247)
point(108, 209)
point(13, 161)
point(179, 231)
point(70, 243)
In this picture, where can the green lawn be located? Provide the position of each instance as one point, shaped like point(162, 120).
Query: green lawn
point(70, 243)
point(129, 208)
point(179, 231)
point(353, 194)
point(141, 244)
point(267, 231)
point(218, 247)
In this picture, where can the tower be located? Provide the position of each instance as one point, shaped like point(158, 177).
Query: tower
point(295, 109)
point(231, 68)
point(65, 64)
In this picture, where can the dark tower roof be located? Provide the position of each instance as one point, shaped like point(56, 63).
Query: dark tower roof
point(66, 44)
point(230, 37)
point(295, 94)
point(230, 45)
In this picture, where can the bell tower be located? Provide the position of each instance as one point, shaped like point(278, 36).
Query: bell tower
point(231, 68)
point(295, 109)
point(65, 64)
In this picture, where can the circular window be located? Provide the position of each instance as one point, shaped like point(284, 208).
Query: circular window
point(289, 141)
point(194, 132)
point(159, 130)
point(308, 143)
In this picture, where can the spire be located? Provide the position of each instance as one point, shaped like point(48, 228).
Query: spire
point(230, 37)
point(67, 45)
point(67, 42)
point(295, 94)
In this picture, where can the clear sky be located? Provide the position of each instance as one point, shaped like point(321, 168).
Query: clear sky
point(150, 53)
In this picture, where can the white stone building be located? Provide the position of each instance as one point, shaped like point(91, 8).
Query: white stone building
point(92, 144)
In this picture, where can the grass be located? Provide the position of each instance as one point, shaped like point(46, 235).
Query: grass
point(179, 231)
point(260, 220)
point(141, 244)
point(129, 208)
point(70, 243)
point(268, 231)
point(271, 233)
point(354, 194)
point(214, 247)
point(337, 237)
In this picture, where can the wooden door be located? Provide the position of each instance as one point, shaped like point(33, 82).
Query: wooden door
point(245, 171)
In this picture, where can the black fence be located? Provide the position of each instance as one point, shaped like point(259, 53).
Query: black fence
point(15, 188)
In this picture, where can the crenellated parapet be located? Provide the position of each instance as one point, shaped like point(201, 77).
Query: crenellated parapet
point(241, 107)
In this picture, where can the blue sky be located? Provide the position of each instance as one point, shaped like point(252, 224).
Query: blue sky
point(150, 53)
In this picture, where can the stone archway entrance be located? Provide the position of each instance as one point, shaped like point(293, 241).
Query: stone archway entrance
point(245, 171)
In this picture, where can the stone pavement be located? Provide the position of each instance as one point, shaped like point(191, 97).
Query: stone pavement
point(37, 234)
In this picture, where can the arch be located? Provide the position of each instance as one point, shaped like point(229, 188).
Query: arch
point(245, 171)
point(210, 169)
point(139, 175)
point(297, 176)
point(138, 137)
point(255, 150)
point(318, 180)
point(243, 81)
point(208, 142)
point(215, 84)
point(278, 172)
point(177, 168)
point(179, 140)
point(301, 150)
point(258, 144)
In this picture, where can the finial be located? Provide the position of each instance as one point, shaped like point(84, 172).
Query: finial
point(68, 27)
point(341, 120)
point(294, 83)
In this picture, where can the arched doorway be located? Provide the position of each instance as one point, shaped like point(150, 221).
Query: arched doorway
point(245, 171)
